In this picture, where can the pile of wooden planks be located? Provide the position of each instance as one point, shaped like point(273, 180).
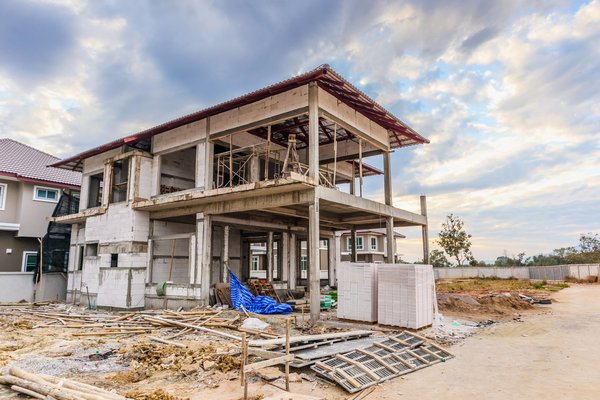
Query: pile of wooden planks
point(45, 387)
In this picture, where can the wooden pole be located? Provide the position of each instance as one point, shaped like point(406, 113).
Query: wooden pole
point(230, 162)
point(268, 156)
point(287, 353)
point(41, 281)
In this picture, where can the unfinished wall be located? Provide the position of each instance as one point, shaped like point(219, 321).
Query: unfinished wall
point(121, 288)
point(178, 137)
point(17, 286)
point(118, 224)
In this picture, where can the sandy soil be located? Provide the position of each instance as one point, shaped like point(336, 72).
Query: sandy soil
point(547, 356)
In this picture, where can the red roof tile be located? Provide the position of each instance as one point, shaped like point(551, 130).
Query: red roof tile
point(26, 163)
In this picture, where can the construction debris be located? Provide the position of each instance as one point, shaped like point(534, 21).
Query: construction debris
point(397, 355)
point(45, 386)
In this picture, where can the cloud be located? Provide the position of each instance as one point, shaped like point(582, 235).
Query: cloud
point(508, 92)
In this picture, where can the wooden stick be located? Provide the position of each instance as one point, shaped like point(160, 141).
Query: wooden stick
point(169, 342)
point(287, 352)
point(28, 392)
point(195, 327)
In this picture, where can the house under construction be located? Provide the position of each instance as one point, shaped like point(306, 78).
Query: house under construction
point(185, 201)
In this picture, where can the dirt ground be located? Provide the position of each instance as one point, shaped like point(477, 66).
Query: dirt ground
point(526, 352)
point(551, 355)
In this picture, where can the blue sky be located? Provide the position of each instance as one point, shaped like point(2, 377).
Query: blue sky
point(508, 92)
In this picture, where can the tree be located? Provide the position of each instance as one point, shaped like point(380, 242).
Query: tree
point(438, 259)
point(455, 241)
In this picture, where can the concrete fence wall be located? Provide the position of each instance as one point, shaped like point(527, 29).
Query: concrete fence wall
point(550, 273)
point(17, 286)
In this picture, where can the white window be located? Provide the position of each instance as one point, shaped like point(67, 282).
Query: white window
point(303, 267)
point(41, 193)
point(359, 243)
point(255, 263)
point(2, 195)
point(29, 261)
point(373, 243)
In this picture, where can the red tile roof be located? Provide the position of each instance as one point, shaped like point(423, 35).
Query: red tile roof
point(28, 164)
point(401, 134)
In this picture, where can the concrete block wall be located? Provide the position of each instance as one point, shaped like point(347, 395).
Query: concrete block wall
point(119, 224)
point(357, 291)
point(121, 288)
point(17, 286)
point(549, 273)
point(405, 295)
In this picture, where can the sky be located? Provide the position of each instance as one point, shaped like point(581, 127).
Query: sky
point(508, 92)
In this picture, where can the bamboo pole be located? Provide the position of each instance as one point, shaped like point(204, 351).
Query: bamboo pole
point(287, 353)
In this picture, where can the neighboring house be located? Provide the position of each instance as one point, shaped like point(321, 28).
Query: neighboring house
point(184, 201)
point(371, 246)
point(29, 193)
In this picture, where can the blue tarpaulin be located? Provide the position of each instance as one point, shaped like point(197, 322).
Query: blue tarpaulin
point(241, 297)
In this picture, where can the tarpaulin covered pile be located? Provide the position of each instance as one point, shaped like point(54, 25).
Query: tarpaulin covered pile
point(241, 297)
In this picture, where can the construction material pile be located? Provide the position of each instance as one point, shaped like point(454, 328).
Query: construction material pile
point(47, 387)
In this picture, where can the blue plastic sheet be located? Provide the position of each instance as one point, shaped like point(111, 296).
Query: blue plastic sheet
point(241, 297)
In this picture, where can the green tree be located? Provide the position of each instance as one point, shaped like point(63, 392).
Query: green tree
point(455, 241)
point(438, 259)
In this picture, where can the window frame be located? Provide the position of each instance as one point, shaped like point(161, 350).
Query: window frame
point(98, 176)
point(3, 191)
point(47, 189)
point(123, 186)
point(27, 253)
point(255, 259)
point(360, 243)
point(373, 238)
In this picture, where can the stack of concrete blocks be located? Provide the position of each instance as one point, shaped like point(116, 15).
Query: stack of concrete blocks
point(405, 295)
point(357, 291)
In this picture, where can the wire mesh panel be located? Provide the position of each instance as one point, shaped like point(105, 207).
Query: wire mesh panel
point(396, 355)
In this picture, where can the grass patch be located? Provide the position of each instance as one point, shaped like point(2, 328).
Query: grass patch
point(496, 284)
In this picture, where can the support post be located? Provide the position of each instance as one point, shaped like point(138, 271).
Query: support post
point(283, 256)
point(353, 179)
point(313, 132)
point(204, 254)
point(360, 167)
point(208, 158)
point(293, 256)
point(353, 236)
point(270, 256)
point(225, 272)
point(332, 253)
point(314, 259)
point(389, 222)
point(424, 231)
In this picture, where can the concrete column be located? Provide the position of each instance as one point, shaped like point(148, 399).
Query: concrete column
point(208, 158)
point(192, 266)
point(391, 240)
point(424, 231)
point(254, 168)
point(283, 256)
point(352, 180)
point(354, 257)
point(200, 165)
point(106, 191)
point(270, 256)
point(314, 259)
point(293, 265)
point(203, 254)
point(150, 261)
point(387, 174)
point(313, 132)
point(225, 272)
point(332, 253)
point(157, 162)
